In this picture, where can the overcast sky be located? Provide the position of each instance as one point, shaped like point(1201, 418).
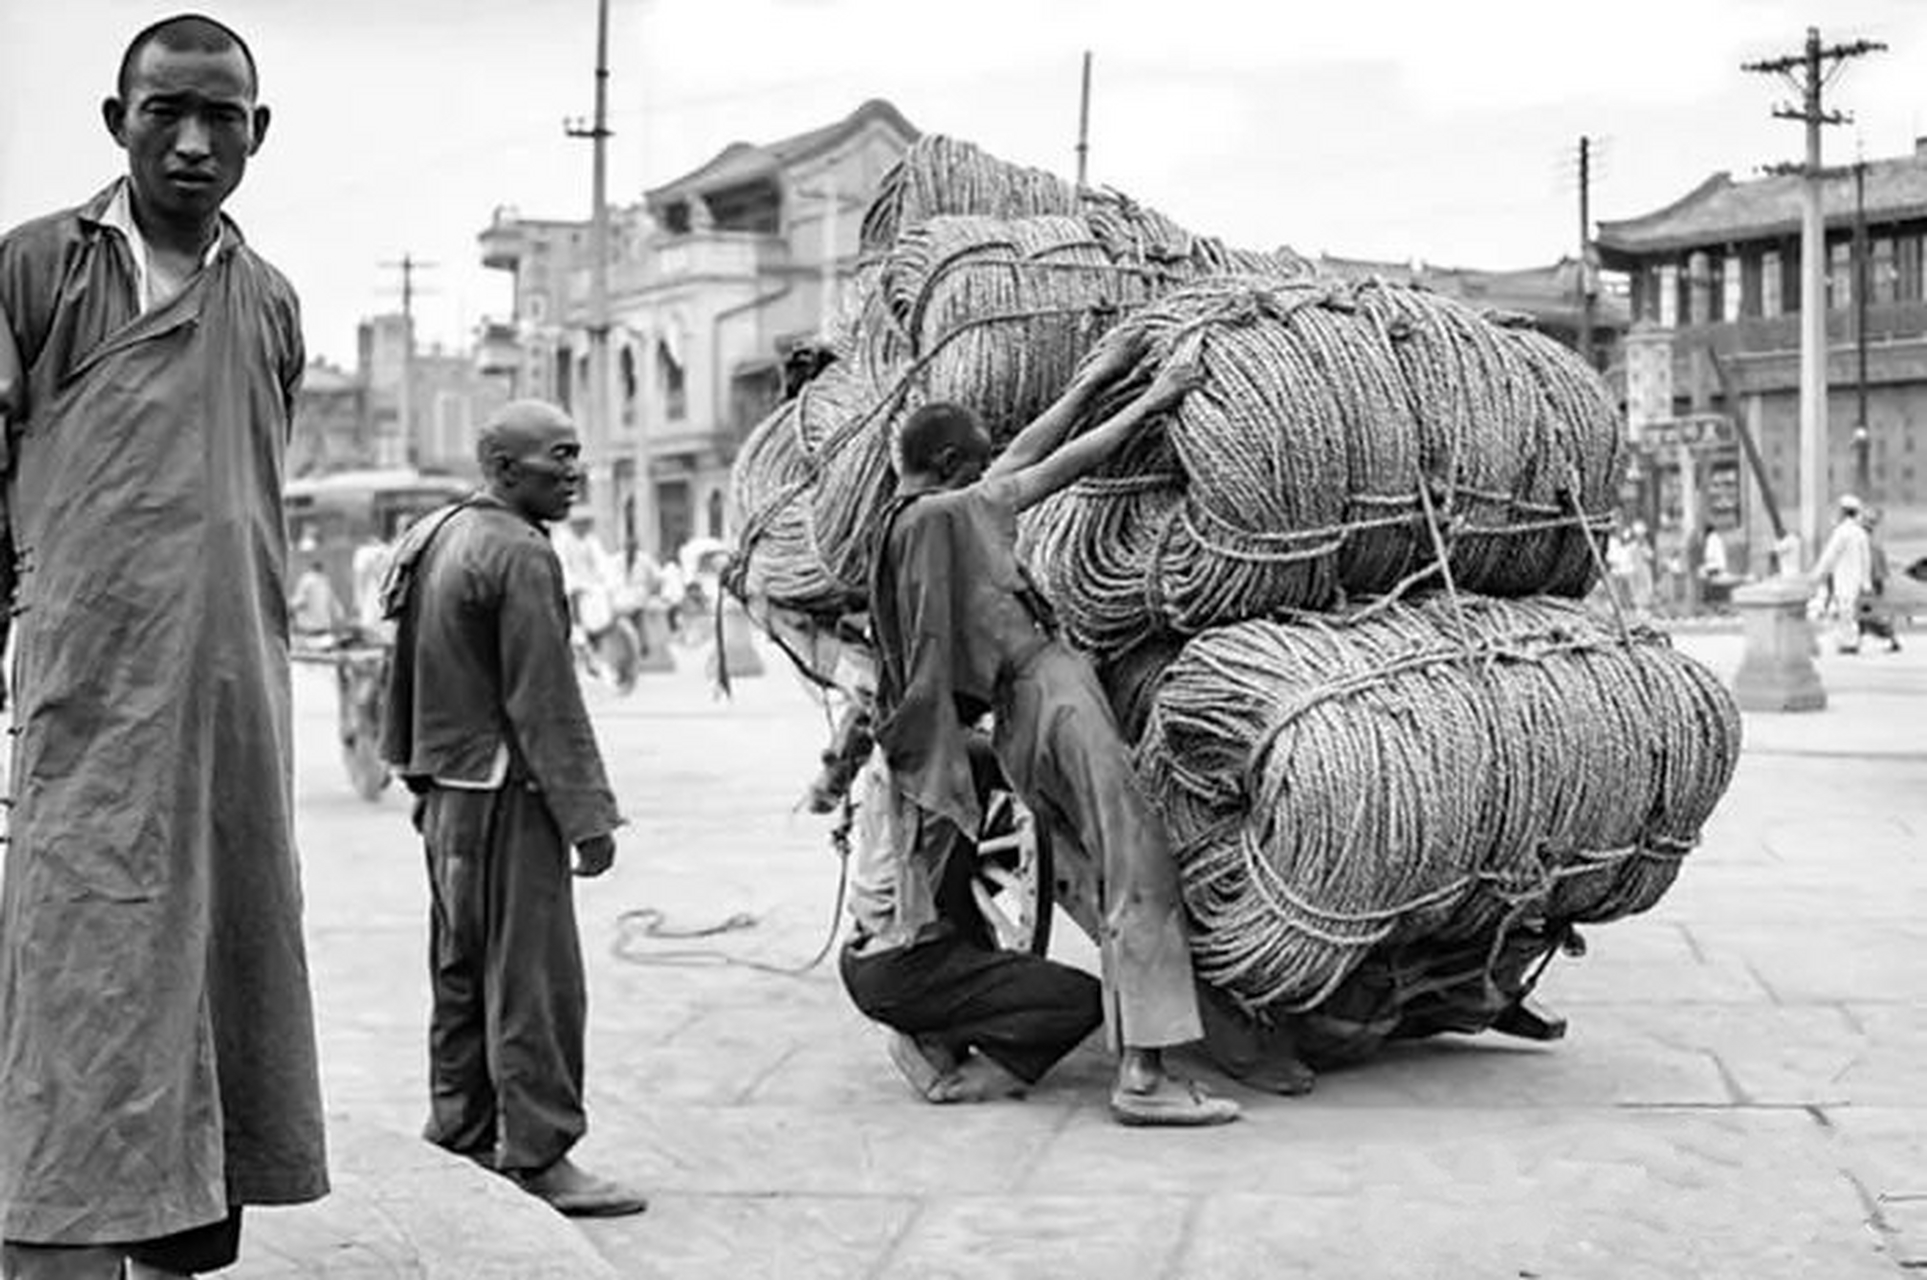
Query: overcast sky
point(1372, 128)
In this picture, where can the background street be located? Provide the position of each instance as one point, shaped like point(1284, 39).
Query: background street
point(1739, 1095)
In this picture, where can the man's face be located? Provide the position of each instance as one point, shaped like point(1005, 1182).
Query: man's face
point(546, 478)
point(188, 124)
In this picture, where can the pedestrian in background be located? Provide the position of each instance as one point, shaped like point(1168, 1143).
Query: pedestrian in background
point(1846, 566)
point(157, 1059)
point(1872, 618)
point(486, 725)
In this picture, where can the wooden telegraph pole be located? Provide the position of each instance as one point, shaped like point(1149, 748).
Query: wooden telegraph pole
point(1808, 73)
point(1084, 124)
point(598, 427)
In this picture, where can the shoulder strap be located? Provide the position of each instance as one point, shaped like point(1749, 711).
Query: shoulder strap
point(400, 577)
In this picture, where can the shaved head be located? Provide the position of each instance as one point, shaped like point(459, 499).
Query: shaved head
point(518, 427)
point(940, 437)
point(185, 33)
point(529, 453)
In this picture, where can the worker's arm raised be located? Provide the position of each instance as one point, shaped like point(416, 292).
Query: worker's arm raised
point(1114, 358)
point(1077, 458)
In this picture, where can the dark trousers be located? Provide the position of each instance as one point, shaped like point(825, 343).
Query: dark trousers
point(198, 1249)
point(1021, 1011)
point(505, 1040)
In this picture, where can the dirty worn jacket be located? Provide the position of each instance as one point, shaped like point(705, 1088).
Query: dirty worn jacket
point(483, 665)
point(952, 613)
point(157, 1059)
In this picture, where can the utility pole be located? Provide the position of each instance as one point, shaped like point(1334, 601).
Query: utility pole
point(408, 265)
point(598, 432)
point(1808, 73)
point(1862, 278)
point(1084, 124)
point(1585, 250)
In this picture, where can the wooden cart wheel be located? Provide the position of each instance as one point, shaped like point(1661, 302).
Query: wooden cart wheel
point(1014, 884)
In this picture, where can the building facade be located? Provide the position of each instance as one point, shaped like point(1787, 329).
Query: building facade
point(1714, 282)
point(332, 427)
point(714, 278)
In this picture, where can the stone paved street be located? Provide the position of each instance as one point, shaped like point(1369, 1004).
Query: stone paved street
point(1741, 1094)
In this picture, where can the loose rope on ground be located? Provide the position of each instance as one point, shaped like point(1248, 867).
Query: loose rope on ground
point(1331, 788)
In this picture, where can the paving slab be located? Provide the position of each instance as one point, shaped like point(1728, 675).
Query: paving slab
point(1739, 1094)
point(728, 1237)
point(1041, 1236)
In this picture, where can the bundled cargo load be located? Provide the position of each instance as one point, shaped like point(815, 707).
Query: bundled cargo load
point(940, 177)
point(1350, 439)
point(1332, 594)
point(1438, 771)
point(984, 284)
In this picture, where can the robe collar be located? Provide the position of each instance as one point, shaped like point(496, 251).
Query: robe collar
point(112, 209)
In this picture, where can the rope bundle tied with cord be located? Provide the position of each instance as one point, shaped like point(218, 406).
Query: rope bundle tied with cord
point(984, 283)
point(1359, 763)
point(1333, 414)
point(1438, 770)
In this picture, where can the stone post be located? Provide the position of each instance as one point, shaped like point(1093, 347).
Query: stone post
point(1777, 672)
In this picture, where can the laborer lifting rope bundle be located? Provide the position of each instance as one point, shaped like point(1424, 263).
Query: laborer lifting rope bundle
point(1337, 424)
point(1433, 771)
point(1421, 792)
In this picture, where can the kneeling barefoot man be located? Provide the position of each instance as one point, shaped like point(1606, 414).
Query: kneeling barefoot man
point(961, 630)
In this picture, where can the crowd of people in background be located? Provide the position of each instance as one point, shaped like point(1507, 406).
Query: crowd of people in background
point(1648, 577)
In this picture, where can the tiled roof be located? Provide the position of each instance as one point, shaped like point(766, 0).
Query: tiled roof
point(1545, 293)
point(1721, 210)
point(741, 162)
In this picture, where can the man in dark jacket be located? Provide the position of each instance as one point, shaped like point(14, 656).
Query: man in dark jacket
point(486, 724)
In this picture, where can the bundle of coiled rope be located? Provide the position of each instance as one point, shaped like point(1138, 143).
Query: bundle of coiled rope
point(1439, 770)
point(1415, 772)
point(990, 312)
point(1349, 440)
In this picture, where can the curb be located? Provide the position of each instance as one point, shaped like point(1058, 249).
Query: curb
point(401, 1207)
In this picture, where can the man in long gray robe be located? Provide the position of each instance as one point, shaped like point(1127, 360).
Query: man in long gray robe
point(157, 1064)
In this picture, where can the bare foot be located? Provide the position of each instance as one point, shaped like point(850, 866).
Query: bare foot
point(979, 1079)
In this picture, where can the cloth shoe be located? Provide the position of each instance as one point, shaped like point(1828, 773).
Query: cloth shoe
point(570, 1191)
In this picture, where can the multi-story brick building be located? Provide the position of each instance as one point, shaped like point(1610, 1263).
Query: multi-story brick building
point(713, 278)
point(1715, 288)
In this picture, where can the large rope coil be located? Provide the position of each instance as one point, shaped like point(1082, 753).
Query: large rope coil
point(940, 177)
point(1344, 435)
point(1441, 770)
point(983, 283)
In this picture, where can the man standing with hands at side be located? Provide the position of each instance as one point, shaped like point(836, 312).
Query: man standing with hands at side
point(486, 725)
point(157, 1058)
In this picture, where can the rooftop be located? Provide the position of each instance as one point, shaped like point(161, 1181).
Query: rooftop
point(1720, 210)
point(743, 162)
point(1547, 293)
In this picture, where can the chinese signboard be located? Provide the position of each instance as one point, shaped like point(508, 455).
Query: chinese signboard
point(1703, 431)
